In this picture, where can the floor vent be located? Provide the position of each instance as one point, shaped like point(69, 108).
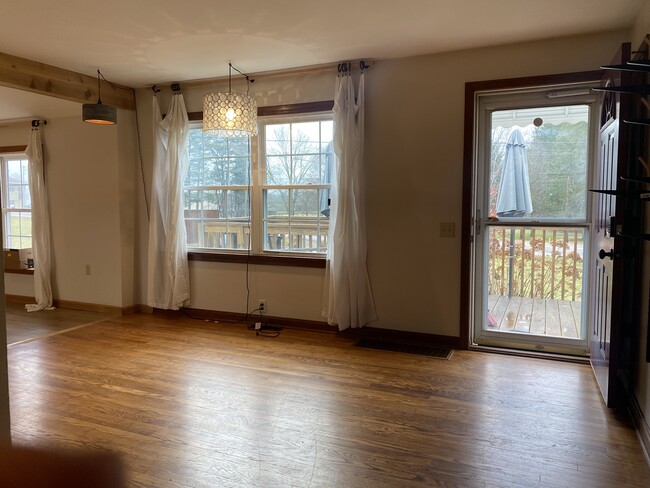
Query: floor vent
point(432, 351)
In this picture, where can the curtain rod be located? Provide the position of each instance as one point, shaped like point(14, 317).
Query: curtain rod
point(363, 64)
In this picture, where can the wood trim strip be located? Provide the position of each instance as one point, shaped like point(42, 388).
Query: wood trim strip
point(287, 109)
point(267, 260)
point(534, 81)
point(469, 137)
point(296, 108)
point(19, 299)
point(404, 337)
point(19, 271)
point(93, 307)
point(238, 317)
point(641, 425)
point(12, 149)
point(52, 334)
point(44, 79)
point(68, 304)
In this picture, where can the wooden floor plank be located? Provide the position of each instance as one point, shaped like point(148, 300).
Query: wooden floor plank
point(567, 320)
point(524, 316)
point(538, 319)
point(510, 319)
point(191, 403)
point(576, 307)
point(499, 311)
point(23, 325)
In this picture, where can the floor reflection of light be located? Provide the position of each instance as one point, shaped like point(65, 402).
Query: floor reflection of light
point(28, 391)
point(251, 431)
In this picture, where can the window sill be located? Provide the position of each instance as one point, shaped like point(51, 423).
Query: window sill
point(283, 260)
point(20, 271)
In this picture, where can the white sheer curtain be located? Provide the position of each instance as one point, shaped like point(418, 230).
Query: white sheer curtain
point(168, 273)
point(40, 225)
point(348, 299)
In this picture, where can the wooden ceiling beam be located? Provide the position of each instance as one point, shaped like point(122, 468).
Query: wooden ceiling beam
point(35, 77)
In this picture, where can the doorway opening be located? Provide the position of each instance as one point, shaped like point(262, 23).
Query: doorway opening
point(531, 217)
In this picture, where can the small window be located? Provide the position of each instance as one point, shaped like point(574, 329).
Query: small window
point(16, 202)
point(216, 191)
point(296, 165)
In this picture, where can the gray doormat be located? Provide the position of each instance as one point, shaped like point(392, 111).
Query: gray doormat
point(432, 351)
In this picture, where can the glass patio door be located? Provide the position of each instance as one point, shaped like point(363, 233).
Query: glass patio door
point(533, 220)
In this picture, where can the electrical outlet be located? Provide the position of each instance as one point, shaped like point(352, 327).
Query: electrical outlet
point(261, 305)
point(447, 229)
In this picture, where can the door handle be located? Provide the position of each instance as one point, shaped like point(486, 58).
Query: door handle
point(602, 254)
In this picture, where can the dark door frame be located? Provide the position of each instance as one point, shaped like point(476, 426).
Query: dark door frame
point(471, 89)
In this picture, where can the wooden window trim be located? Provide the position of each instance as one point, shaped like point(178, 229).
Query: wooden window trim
point(286, 109)
point(12, 149)
point(267, 259)
point(20, 271)
point(263, 259)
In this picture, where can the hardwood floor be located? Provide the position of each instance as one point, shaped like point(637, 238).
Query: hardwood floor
point(199, 404)
point(25, 326)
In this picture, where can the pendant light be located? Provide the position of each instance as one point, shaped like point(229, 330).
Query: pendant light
point(230, 114)
point(99, 113)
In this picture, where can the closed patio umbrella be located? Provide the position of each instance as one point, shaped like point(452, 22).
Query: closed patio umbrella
point(514, 198)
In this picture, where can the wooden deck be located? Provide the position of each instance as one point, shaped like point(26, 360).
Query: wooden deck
point(555, 318)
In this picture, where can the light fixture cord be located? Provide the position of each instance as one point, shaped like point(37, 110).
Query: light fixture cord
point(248, 78)
point(113, 85)
point(99, 87)
point(229, 77)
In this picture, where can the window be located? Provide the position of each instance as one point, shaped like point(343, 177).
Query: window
point(16, 202)
point(269, 194)
point(296, 164)
point(216, 190)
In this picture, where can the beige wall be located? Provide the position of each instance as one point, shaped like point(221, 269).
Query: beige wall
point(413, 178)
point(90, 172)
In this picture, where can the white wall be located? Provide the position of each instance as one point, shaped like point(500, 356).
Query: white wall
point(90, 175)
point(413, 178)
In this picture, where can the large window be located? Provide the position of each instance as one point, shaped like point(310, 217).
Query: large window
point(16, 202)
point(269, 194)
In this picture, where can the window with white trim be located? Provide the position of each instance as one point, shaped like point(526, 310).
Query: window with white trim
point(295, 164)
point(217, 191)
point(16, 201)
point(269, 194)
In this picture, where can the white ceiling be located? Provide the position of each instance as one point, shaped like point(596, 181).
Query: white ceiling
point(140, 43)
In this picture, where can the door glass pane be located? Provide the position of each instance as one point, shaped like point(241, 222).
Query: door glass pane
point(535, 280)
point(538, 163)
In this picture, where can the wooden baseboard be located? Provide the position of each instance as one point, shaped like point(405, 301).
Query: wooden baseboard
point(23, 300)
point(93, 307)
point(241, 318)
point(404, 337)
point(417, 338)
point(642, 427)
point(72, 305)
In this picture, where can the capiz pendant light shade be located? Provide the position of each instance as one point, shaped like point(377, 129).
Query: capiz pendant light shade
point(98, 113)
point(230, 114)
